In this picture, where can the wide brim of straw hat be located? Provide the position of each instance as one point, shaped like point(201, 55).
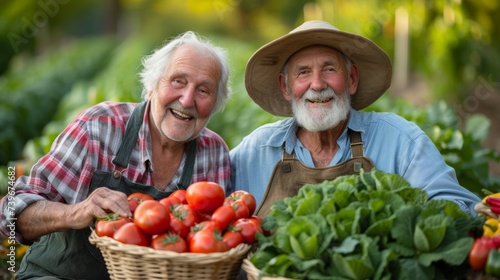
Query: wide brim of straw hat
point(261, 75)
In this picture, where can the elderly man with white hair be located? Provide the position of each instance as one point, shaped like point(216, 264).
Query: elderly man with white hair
point(320, 77)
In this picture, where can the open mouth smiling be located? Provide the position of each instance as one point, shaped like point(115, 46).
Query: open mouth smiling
point(323, 100)
point(181, 115)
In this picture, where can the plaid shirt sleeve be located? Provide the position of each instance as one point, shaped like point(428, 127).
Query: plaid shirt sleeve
point(62, 175)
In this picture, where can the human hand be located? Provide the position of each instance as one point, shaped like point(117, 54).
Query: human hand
point(98, 204)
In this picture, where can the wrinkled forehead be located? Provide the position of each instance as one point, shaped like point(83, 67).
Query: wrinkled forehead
point(313, 51)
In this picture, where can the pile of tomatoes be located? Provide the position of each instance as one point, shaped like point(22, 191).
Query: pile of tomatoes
point(200, 219)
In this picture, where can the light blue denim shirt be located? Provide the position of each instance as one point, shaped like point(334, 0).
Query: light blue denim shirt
point(394, 144)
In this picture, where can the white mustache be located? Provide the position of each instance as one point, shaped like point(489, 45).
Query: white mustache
point(177, 106)
point(322, 95)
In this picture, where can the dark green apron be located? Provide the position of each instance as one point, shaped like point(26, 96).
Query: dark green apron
point(69, 254)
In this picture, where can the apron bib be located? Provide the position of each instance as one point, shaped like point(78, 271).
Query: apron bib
point(69, 254)
point(289, 174)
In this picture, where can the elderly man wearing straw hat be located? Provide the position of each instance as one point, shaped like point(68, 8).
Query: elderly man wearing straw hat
point(320, 77)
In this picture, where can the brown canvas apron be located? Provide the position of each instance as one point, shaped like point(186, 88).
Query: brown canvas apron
point(289, 174)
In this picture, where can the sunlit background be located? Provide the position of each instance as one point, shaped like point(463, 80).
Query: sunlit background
point(59, 57)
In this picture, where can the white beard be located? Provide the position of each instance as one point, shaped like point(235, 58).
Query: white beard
point(325, 117)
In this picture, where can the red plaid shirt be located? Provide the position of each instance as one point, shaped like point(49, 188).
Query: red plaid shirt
point(90, 143)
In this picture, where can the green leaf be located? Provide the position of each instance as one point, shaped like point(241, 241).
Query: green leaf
point(454, 253)
point(343, 197)
point(261, 258)
point(310, 203)
point(412, 269)
point(367, 180)
point(376, 205)
point(420, 240)
point(429, 232)
point(303, 236)
point(280, 212)
point(413, 195)
point(388, 181)
point(278, 266)
point(400, 250)
point(347, 246)
point(353, 267)
point(478, 126)
point(381, 227)
point(404, 225)
point(387, 257)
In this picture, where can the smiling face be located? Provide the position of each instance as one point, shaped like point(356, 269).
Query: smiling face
point(183, 101)
point(319, 86)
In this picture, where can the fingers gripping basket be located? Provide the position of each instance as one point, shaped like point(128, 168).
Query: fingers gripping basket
point(125, 261)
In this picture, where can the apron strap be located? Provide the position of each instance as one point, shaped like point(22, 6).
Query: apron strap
point(356, 144)
point(187, 174)
point(127, 145)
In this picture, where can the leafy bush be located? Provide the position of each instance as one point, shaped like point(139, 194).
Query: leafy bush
point(30, 95)
point(461, 145)
point(117, 81)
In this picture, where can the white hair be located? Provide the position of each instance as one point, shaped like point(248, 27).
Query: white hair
point(155, 64)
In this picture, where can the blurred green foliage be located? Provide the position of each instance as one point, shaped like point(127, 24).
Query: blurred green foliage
point(461, 145)
point(31, 96)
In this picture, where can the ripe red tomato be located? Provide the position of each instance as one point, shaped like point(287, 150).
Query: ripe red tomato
point(247, 198)
point(232, 238)
point(205, 196)
point(240, 209)
point(109, 224)
point(130, 233)
point(152, 217)
point(181, 195)
point(169, 242)
point(208, 225)
point(177, 227)
point(170, 201)
point(248, 228)
point(186, 214)
point(207, 241)
point(224, 216)
point(478, 254)
point(134, 199)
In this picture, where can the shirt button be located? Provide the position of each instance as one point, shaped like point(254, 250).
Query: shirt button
point(116, 174)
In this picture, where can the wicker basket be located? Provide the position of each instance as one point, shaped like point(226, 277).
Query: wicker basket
point(125, 261)
point(253, 273)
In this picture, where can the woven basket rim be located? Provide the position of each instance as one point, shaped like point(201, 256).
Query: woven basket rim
point(150, 253)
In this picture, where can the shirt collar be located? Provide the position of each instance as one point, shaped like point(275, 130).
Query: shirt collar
point(355, 121)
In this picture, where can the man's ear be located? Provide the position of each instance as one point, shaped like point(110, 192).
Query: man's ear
point(353, 79)
point(284, 88)
point(150, 94)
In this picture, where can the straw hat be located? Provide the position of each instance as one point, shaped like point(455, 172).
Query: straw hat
point(261, 75)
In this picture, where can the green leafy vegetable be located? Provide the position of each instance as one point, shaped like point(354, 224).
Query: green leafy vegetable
point(371, 226)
